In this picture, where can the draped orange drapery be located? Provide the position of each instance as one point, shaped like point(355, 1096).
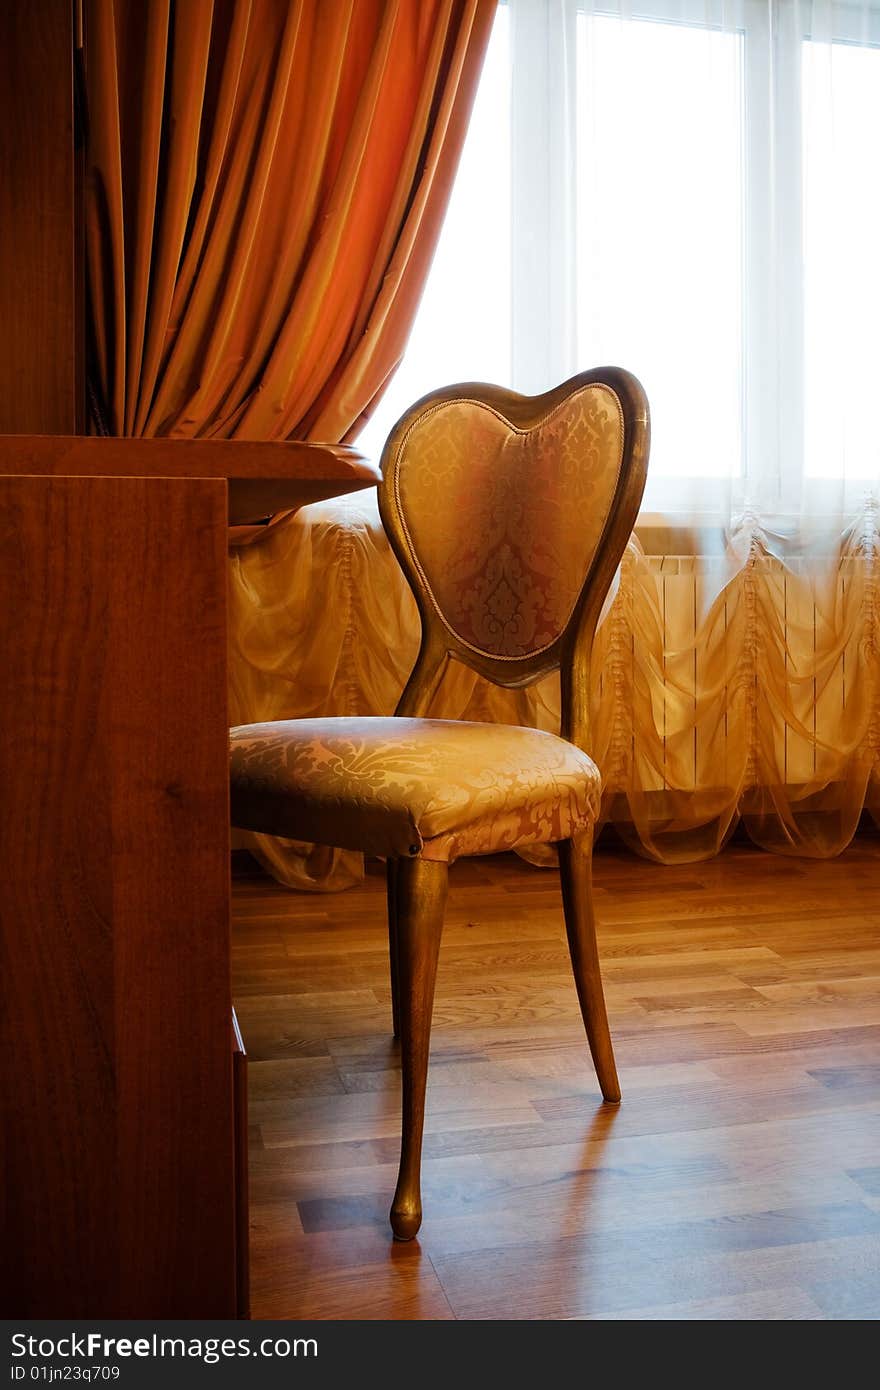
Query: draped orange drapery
point(265, 184)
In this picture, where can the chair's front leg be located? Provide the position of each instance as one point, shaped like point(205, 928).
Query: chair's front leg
point(575, 869)
point(420, 892)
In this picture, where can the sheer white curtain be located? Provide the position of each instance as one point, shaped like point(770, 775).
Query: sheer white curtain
point(687, 187)
point(688, 190)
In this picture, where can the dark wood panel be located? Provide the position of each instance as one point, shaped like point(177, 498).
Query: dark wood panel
point(738, 1179)
point(264, 476)
point(39, 275)
point(253, 459)
point(118, 1138)
point(252, 499)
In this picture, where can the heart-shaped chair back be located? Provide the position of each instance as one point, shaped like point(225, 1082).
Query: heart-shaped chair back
point(509, 515)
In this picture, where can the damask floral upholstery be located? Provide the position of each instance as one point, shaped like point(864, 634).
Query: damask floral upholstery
point(403, 787)
point(503, 522)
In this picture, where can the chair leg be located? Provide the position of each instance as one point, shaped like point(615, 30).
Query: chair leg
point(391, 884)
point(420, 903)
point(575, 868)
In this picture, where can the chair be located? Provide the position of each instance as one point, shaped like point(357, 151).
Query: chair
point(509, 515)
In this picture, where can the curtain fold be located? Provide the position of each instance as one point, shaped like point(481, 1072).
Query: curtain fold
point(266, 180)
point(735, 687)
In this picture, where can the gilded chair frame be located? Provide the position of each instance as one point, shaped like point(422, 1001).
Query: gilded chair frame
point(417, 887)
point(571, 652)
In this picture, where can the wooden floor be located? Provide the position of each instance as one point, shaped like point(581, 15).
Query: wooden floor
point(739, 1179)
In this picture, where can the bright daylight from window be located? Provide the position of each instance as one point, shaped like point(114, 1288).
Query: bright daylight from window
point(842, 268)
point(743, 294)
point(659, 268)
point(462, 331)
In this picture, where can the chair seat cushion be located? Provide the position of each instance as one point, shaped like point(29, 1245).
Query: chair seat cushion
point(439, 788)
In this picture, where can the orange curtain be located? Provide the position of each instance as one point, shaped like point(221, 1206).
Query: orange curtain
point(266, 180)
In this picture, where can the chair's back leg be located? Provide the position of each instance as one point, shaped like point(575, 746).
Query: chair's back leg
point(420, 892)
point(575, 869)
point(391, 883)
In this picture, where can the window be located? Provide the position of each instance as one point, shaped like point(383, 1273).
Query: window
point(462, 330)
point(686, 189)
point(841, 261)
point(660, 204)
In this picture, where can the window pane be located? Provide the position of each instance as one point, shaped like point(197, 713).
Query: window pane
point(660, 239)
point(841, 105)
point(462, 330)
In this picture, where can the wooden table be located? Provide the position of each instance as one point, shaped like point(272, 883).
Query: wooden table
point(123, 1183)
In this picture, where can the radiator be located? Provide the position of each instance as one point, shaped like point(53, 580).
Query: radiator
point(804, 640)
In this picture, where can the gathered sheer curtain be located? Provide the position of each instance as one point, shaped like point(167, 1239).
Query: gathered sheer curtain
point(685, 189)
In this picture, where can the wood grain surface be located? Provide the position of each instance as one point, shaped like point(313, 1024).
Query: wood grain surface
point(40, 277)
point(739, 1179)
point(118, 1181)
point(264, 476)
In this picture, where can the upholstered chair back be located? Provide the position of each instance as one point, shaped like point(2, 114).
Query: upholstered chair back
point(509, 515)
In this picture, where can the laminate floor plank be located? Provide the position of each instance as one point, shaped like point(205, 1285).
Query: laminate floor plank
point(737, 1181)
